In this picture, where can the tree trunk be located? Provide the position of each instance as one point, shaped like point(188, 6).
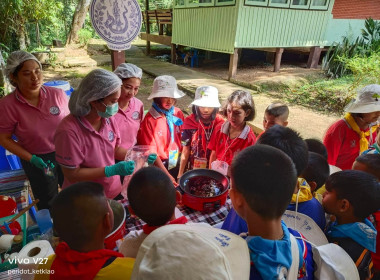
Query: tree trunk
point(78, 20)
point(27, 38)
point(38, 37)
point(21, 34)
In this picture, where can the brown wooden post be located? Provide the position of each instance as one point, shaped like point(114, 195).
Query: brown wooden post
point(173, 54)
point(239, 56)
point(277, 60)
point(117, 57)
point(233, 64)
point(315, 54)
point(147, 27)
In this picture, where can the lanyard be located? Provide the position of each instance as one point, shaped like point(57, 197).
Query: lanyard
point(207, 133)
point(225, 146)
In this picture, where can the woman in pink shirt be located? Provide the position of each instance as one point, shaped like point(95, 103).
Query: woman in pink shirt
point(131, 109)
point(32, 113)
point(88, 140)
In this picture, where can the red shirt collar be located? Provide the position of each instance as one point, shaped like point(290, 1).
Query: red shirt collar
point(180, 221)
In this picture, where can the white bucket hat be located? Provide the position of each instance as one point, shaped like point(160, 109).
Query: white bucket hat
point(305, 225)
point(366, 101)
point(165, 86)
point(206, 96)
point(192, 251)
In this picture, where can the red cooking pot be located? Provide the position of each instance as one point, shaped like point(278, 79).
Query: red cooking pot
point(201, 203)
point(7, 206)
point(119, 229)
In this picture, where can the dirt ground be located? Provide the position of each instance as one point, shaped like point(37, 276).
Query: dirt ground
point(252, 71)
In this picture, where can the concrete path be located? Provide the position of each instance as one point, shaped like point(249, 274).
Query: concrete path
point(309, 123)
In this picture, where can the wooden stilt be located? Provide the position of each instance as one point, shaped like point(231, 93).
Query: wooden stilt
point(147, 26)
point(173, 54)
point(315, 54)
point(117, 58)
point(277, 61)
point(233, 64)
point(239, 56)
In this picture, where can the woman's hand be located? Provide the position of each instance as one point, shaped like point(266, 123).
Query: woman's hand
point(152, 158)
point(38, 162)
point(122, 168)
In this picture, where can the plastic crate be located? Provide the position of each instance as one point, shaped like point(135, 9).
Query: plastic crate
point(22, 220)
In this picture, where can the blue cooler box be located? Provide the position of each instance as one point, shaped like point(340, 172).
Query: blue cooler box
point(65, 86)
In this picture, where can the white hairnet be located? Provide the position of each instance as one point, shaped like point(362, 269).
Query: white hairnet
point(15, 59)
point(128, 70)
point(98, 84)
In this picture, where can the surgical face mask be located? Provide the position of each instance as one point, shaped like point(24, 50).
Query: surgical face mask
point(111, 110)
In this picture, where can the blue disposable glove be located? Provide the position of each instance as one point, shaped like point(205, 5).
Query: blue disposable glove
point(122, 168)
point(38, 162)
point(152, 158)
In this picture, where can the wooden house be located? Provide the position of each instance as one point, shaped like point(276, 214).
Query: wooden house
point(228, 26)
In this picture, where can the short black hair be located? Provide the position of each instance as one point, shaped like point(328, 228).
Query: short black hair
point(77, 212)
point(152, 196)
point(316, 146)
point(278, 109)
point(290, 142)
point(266, 177)
point(372, 162)
point(196, 113)
point(157, 100)
point(317, 170)
point(360, 188)
point(243, 99)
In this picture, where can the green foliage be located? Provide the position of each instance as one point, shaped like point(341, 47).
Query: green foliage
point(84, 35)
point(335, 61)
point(330, 95)
point(53, 18)
point(363, 69)
point(2, 92)
point(4, 51)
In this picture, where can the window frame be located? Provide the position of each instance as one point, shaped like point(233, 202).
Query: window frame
point(195, 5)
point(305, 7)
point(261, 4)
point(279, 5)
point(322, 8)
point(176, 6)
point(228, 3)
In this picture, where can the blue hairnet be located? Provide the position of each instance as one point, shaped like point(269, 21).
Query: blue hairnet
point(98, 84)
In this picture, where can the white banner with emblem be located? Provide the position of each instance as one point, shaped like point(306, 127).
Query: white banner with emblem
point(118, 22)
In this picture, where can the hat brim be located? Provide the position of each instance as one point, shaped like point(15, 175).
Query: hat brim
point(164, 93)
point(306, 226)
point(202, 103)
point(362, 107)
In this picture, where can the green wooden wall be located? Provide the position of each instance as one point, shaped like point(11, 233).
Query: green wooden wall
point(222, 29)
point(207, 28)
point(263, 27)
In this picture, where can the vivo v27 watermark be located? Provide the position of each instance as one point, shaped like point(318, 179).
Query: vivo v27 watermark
point(28, 261)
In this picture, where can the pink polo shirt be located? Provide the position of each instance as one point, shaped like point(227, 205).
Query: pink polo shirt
point(225, 148)
point(33, 126)
point(129, 121)
point(154, 131)
point(78, 144)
